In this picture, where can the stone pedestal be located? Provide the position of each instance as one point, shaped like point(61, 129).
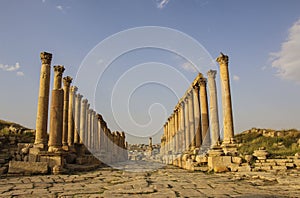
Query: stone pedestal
point(43, 102)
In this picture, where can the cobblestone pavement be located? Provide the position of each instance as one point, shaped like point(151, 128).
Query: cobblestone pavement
point(146, 182)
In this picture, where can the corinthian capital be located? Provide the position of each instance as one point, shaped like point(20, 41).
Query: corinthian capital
point(223, 59)
point(67, 81)
point(211, 74)
point(46, 58)
point(59, 70)
point(202, 81)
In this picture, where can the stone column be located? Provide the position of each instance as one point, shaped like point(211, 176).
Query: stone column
point(204, 109)
point(150, 144)
point(78, 98)
point(83, 120)
point(226, 97)
point(89, 114)
point(95, 130)
point(67, 81)
point(198, 136)
point(71, 127)
point(173, 133)
point(191, 119)
point(182, 128)
point(213, 107)
point(56, 112)
point(176, 130)
point(43, 102)
point(186, 123)
point(168, 146)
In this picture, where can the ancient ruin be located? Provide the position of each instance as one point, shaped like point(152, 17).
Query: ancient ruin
point(78, 135)
point(192, 131)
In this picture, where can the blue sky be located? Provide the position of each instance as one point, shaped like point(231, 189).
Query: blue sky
point(262, 39)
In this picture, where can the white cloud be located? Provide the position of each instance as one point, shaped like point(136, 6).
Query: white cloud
point(59, 7)
point(287, 60)
point(162, 3)
point(236, 78)
point(12, 68)
point(189, 67)
point(43, 1)
point(19, 73)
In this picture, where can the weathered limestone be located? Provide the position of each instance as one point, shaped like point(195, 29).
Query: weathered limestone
point(43, 102)
point(191, 119)
point(226, 99)
point(186, 123)
point(204, 108)
point(182, 126)
point(213, 107)
point(56, 112)
point(197, 116)
point(71, 124)
point(82, 120)
point(77, 117)
point(66, 81)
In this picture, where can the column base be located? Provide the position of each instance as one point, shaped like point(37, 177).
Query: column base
point(40, 146)
point(55, 149)
point(229, 149)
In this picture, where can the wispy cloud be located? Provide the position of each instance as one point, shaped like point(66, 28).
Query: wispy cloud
point(236, 78)
point(189, 67)
point(12, 68)
point(60, 7)
point(287, 60)
point(161, 3)
point(43, 1)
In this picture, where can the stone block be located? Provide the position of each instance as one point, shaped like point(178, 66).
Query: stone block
point(290, 165)
point(244, 168)
point(237, 160)
point(220, 169)
point(219, 161)
point(279, 168)
point(16, 167)
point(201, 159)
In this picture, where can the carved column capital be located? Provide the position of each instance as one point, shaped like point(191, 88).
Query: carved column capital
point(202, 81)
point(222, 59)
point(85, 101)
point(212, 74)
point(67, 81)
point(74, 89)
point(79, 96)
point(46, 58)
point(59, 70)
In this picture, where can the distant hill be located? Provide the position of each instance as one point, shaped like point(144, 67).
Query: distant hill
point(277, 142)
point(7, 127)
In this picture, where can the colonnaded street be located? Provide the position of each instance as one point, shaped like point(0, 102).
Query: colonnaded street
point(147, 179)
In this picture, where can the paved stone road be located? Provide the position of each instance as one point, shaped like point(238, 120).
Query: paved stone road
point(146, 182)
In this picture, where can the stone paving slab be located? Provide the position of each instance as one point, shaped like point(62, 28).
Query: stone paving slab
point(162, 181)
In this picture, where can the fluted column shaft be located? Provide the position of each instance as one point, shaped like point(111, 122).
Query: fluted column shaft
point(182, 127)
point(43, 102)
point(213, 107)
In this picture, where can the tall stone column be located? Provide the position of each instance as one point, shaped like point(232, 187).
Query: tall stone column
point(173, 133)
point(78, 98)
point(71, 120)
point(213, 107)
point(176, 131)
point(182, 124)
point(226, 97)
point(197, 116)
point(56, 112)
point(168, 136)
point(95, 130)
point(89, 114)
point(86, 135)
point(67, 81)
point(186, 123)
point(191, 119)
point(82, 120)
point(43, 102)
point(204, 109)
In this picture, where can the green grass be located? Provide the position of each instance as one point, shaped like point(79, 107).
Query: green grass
point(277, 146)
